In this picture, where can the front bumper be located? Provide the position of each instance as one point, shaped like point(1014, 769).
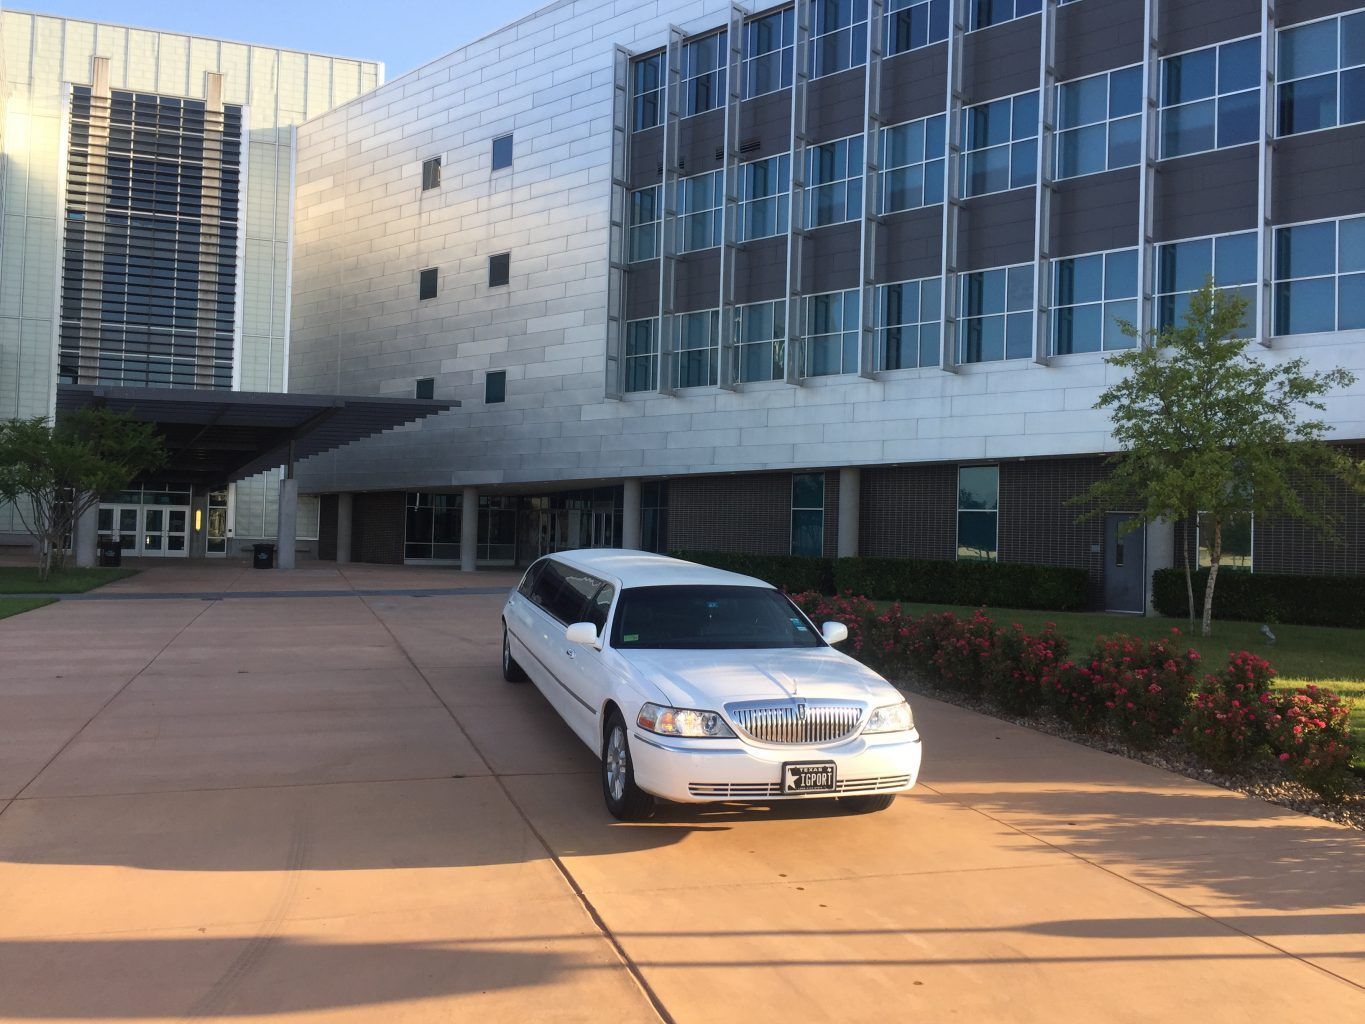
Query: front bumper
point(700, 771)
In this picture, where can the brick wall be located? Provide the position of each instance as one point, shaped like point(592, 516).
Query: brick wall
point(377, 524)
point(909, 512)
point(1037, 525)
point(749, 513)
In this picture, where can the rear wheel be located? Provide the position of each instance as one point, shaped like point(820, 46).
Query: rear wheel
point(866, 804)
point(511, 671)
point(625, 800)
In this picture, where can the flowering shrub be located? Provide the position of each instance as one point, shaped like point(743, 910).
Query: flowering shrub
point(1146, 686)
point(1226, 726)
point(1022, 667)
point(965, 650)
point(1076, 695)
point(1310, 733)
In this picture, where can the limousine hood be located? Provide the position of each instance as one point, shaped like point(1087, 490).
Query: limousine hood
point(708, 680)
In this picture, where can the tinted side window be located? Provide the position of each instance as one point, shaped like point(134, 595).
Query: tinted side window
point(600, 606)
point(579, 587)
point(528, 581)
point(563, 591)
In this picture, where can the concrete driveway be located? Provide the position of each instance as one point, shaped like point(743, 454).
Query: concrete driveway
point(225, 802)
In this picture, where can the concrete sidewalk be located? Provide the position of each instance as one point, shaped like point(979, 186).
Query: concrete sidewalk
point(332, 808)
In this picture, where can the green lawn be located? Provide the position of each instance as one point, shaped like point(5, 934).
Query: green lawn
point(1334, 658)
point(14, 605)
point(24, 580)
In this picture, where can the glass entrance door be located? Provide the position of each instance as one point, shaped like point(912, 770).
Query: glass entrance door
point(120, 521)
point(165, 531)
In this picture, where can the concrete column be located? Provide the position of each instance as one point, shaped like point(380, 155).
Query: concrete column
point(630, 514)
point(287, 527)
point(87, 538)
point(344, 506)
point(469, 529)
point(1161, 554)
point(850, 500)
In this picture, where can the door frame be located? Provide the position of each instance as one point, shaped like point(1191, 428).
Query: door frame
point(1142, 576)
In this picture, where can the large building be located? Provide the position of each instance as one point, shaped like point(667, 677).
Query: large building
point(832, 278)
point(146, 187)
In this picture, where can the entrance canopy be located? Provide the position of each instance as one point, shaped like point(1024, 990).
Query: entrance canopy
point(217, 437)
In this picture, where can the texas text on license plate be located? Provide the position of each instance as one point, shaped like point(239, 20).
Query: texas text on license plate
point(808, 777)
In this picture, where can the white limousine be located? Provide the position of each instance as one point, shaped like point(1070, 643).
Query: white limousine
point(694, 684)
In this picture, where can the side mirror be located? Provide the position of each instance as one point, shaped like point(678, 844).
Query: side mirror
point(834, 632)
point(584, 633)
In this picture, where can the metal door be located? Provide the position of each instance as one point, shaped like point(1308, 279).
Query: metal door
point(1125, 561)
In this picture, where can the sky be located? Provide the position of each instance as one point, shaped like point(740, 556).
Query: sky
point(404, 34)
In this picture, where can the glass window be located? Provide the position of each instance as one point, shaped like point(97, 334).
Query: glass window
point(768, 43)
point(1320, 277)
point(431, 174)
point(704, 64)
point(993, 12)
point(643, 224)
point(808, 514)
point(832, 328)
point(502, 152)
point(426, 284)
point(834, 182)
point(700, 209)
point(978, 510)
point(1238, 532)
point(1210, 98)
point(908, 319)
point(432, 526)
point(912, 161)
point(494, 387)
point(1000, 147)
point(1099, 123)
point(838, 38)
point(425, 387)
point(996, 320)
point(911, 24)
point(708, 618)
point(499, 269)
point(760, 341)
point(698, 351)
point(764, 197)
point(642, 355)
point(646, 91)
point(1183, 267)
point(1090, 295)
point(1322, 74)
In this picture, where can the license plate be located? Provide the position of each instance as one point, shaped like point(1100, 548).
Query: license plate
point(808, 777)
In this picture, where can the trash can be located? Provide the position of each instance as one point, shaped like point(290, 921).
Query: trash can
point(263, 556)
point(110, 555)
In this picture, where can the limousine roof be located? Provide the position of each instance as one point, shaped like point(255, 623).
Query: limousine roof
point(643, 569)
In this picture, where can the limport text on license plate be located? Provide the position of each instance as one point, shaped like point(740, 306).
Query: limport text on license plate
point(808, 777)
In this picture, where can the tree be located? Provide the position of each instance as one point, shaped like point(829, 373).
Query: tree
point(1205, 428)
point(52, 475)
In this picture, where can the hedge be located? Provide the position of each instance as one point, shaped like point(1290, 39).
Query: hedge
point(997, 584)
point(1266, 597)
point(1009, 585)
point(793, 573)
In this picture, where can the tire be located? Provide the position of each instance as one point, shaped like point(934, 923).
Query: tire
point(511, 671)
point(625, 800)
point(866, 804)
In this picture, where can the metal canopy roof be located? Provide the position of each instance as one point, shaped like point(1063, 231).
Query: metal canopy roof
point(222, 436)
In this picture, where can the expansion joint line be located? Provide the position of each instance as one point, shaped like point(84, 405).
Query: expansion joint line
point(585, 902)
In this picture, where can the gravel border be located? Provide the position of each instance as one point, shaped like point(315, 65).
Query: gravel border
point(1263, 780)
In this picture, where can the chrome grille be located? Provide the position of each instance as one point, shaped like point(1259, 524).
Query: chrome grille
point(751, 790)
point(797, 722)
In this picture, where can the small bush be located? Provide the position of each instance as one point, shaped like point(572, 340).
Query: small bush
point(1227, 724)
point(1022, 666)
point(966, 647)
point(1310, 732)
point(1266, 597)
point(1146, 685)
point(792, 573)
point(1002, 585)
point(1077, 696)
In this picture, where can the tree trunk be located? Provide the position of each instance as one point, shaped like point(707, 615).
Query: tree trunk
point(1189, 576)
point(1215, 557)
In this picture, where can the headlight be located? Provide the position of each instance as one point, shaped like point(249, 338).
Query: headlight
point(892, 718)
point(706, 725)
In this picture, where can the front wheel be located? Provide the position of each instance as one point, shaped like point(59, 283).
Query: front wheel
point(625, 800)
point(866, 804)
point(511, 671)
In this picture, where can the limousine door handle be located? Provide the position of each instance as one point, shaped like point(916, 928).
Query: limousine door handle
point(570, 653)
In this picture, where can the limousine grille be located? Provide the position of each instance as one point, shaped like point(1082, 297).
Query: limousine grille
point(753, 790)
point(797, 722)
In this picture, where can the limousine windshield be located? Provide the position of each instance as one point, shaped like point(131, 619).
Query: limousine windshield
point(708, 618)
